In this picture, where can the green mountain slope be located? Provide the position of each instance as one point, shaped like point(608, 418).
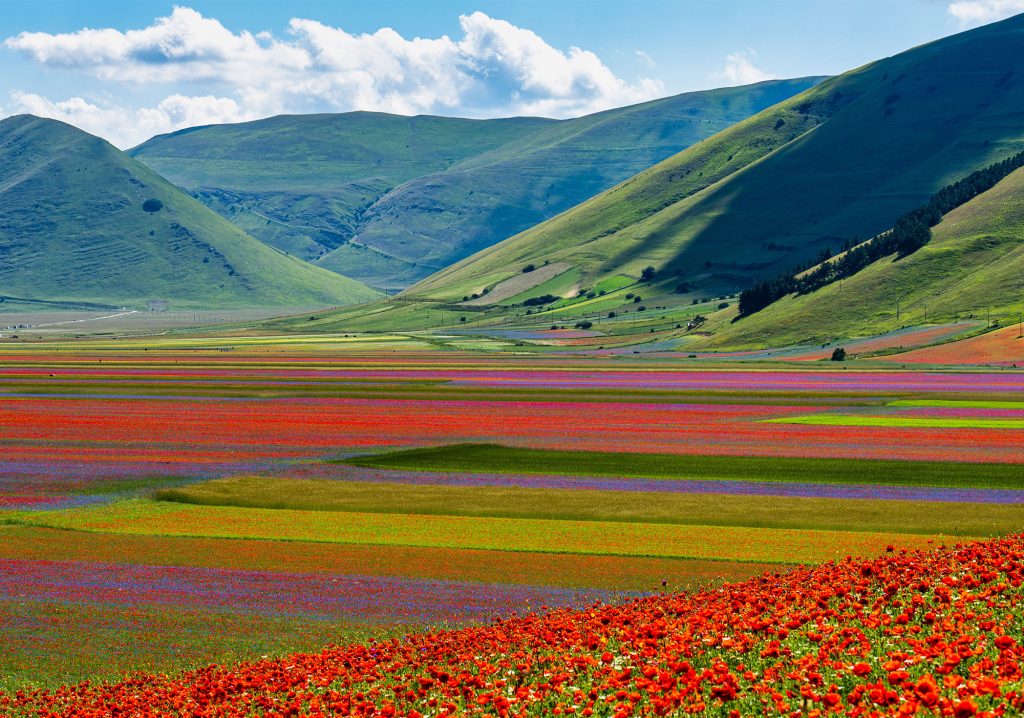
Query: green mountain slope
point(73, 228)
point(842, 159)
point(391, 199)
point(972, 267)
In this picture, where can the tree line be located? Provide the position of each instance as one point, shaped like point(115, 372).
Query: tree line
point(910, 232)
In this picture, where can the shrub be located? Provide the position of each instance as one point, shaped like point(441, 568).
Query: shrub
point(839, 354)
point(723, 305)
point(529, 268)
point(637, 299)
point(682, 288)
point(647, 274)
point(584, 324)
point(152, 205)
point(540, 301)
point(611, 315)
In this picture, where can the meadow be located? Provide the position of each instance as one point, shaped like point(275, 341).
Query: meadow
point(167, 503)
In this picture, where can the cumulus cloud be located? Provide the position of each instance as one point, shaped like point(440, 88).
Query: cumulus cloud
point(979, 12)
point(126, 127)
point(740, 70)
point(495, 68)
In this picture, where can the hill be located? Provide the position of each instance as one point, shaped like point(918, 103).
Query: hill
point(390, 199)
point(842, 159)
point(973, 267)
point(80, 221)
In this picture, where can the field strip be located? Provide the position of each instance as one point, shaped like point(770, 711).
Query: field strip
point(540, 535)
point(498, 459)
point(958, 404)
point(903, 422)
point(876, 513)
point(630, 573)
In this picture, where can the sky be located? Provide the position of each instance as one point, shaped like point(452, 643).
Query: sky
point(127, 70)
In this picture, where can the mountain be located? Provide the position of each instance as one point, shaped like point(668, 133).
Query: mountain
point(840, 160)
point(81, 221)
point(973, 267)
point(390, 199)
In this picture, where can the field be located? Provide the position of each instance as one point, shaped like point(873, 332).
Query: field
point(167, 503)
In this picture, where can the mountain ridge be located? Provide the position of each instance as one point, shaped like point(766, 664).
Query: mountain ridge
point(82, 221)
point(410, 219)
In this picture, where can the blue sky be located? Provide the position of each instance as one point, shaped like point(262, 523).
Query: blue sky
point(128, 70)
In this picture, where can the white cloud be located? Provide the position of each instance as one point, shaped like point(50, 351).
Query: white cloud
point(979, 12)
point(740, 70)
point(127, 127)
point(645, 58)
point(494, 69)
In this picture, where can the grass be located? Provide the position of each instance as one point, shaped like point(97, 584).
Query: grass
point(503, 459)
point(972, 268)
point(789, 546)
point(902, 422)
point(915, 517)
point(959, 404)
point(310, 184)
point(75, 231)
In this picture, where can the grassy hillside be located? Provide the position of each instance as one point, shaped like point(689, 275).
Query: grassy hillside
point(73, 227)
point(973, 267)
point(391, 199)
point(843, 159)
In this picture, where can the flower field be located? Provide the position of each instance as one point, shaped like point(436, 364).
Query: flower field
point(910, 633)
point(518, 524)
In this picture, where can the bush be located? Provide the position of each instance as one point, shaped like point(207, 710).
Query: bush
point(637, 299)
point(723, 305)
point(540, 301)
point(641, 308)
point(584, 324)
point(839, 354)
point(611, 315)
point(682, 288)
point(152, 205)
point(529, 268)
point(647, 274)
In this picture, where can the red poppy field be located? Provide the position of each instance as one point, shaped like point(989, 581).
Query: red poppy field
point(276, 510)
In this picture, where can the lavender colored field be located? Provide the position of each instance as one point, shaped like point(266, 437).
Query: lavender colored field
point(350, 598)
point(801, 489)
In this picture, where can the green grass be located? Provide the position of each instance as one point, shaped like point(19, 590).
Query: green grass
point(915, 517)
point(74, 231)
point(917, 422)
point(316, 184)
point(972, 268)
point(959, 404)
point(502, 459)
point(840, 160)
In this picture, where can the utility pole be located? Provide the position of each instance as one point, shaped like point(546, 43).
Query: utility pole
point(1020, 322)
point(897, 309)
